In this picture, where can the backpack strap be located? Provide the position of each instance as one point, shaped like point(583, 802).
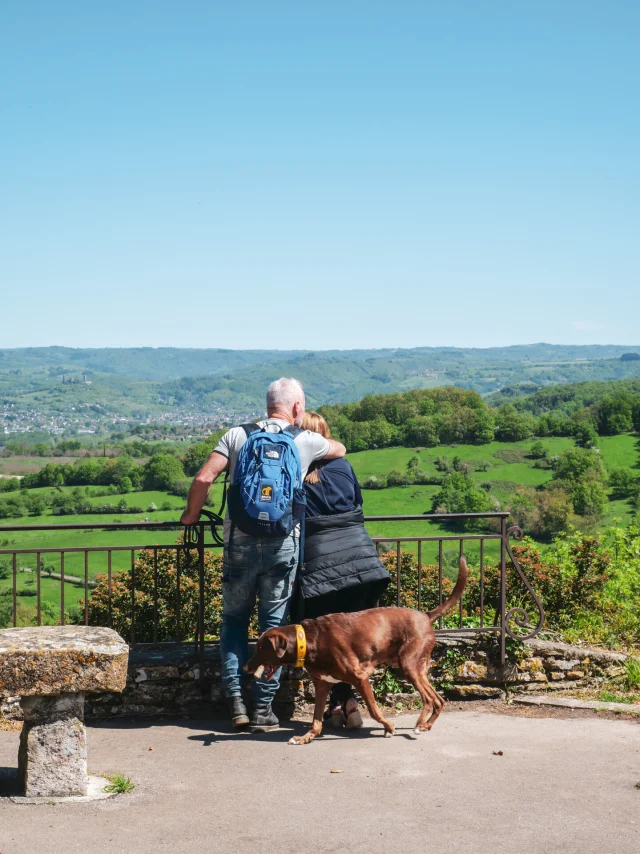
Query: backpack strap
point(250, 428)
point(293, 430)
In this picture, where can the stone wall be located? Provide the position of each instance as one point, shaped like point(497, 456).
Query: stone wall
point(164, 680)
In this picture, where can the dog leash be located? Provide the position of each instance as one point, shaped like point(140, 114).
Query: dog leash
point(191, 535)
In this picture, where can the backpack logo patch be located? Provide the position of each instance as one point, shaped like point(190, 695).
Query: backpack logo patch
point(266, 493)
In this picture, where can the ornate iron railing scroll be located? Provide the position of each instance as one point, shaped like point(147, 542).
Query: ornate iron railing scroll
point(519, 615)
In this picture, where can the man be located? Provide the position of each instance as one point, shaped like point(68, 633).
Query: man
point(256, 566)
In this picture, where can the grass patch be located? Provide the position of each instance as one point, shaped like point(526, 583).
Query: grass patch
point(608, 696)
point(119, 784)
point(632, 677)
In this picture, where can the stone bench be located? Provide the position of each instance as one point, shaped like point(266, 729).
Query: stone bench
point(50, 668)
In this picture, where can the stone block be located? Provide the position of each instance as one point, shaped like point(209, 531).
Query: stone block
point(144, 674)
point(52, 758)
point(50, 660)
point(532, 670)
point(615, 671)
point(561, 664)
point(10, 708)
point(152, 694)
point(567, 651)
point(471, 671)
point(575, 674)
point(476, 692)
point(556, 676)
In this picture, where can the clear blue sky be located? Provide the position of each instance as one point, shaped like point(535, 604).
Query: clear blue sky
point(319, 174)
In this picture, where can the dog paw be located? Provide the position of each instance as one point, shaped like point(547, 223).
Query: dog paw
point(418, 731)
point(295, 740)
point(387, 734)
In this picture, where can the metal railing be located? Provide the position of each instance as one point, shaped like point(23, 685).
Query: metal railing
point(183, 597)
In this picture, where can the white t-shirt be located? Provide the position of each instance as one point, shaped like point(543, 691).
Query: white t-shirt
point(311, 447)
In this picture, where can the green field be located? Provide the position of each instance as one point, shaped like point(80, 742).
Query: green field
point(508, 466)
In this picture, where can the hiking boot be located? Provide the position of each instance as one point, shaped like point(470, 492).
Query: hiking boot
point(238, 712)
point(263, 719)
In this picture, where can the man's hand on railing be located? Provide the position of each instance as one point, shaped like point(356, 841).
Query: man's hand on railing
point(189, 517)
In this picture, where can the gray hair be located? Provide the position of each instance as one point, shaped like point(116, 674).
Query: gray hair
point(283, 393)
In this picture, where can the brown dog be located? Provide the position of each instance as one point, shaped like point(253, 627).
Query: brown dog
point(348, 648)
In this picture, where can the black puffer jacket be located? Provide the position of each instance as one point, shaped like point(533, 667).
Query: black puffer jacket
point(338, 554)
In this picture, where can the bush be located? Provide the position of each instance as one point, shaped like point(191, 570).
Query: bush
point(168, 608)
point(538, 451)
point(162, 472)
point(12, 508)
point(374, 482)
point(586, 436)
point(589, 498)
point(578, 464)
point(460, 494)
point(623, 483)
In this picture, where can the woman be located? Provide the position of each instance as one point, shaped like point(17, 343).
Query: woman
point(342, 571)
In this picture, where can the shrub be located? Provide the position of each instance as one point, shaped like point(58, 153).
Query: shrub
point(538, 451)
point(374, 482)
point(460, 494)
point(578, 464)
point(162, 472)
point(623, 483)
point(168, 607)
point(589, 498)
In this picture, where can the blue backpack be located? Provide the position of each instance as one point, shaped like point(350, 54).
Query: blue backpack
point(266, 496)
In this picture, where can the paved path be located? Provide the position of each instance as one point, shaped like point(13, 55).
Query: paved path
point(560, 786)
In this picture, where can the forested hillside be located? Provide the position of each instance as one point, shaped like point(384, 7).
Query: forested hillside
point(431, 417)
point(39, 386)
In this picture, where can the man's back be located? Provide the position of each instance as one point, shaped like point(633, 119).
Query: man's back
point(311, 447)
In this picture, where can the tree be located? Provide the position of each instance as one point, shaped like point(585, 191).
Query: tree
point(615, 415)
point(384, 434)
point(162, 471)
point(443, 464)
point(513, 426)
point(197, 455)
point(460, 494)
point(542, 514)
point(586, 436)
point(538, 451)
point(422, 430)
point(35, 505)
point(12, 508)
point(577, 464)
point(589, 498)
point(413, 465)
point(125, 484)
point(623, 482)
point(554, 511)
point(485, 428)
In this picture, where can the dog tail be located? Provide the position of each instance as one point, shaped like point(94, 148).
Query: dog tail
point(456, 594)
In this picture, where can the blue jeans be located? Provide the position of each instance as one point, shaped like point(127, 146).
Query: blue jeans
point(262, 567)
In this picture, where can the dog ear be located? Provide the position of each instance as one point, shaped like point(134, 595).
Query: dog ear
point(279, 644)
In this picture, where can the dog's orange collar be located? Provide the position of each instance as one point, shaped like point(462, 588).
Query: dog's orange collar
point(301, 641)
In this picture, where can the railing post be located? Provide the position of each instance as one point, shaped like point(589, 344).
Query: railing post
point(503, 590)
point(201, 602)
